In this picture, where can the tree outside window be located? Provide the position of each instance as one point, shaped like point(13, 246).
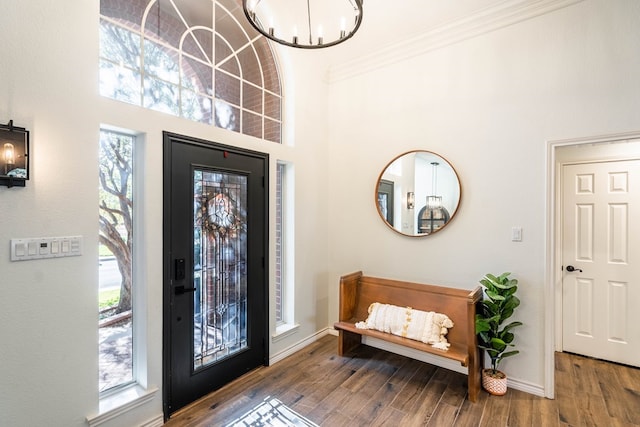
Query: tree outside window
point(115, 272)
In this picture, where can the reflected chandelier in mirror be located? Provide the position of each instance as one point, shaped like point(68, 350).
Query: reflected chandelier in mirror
point(418, 193)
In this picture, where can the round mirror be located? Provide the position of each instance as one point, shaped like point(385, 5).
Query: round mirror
point(418, 193)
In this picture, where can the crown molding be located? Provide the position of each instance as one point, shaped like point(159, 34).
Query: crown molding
point(484, 21)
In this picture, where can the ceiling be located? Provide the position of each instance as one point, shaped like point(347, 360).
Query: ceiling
point(388, 22)
point(392, 28)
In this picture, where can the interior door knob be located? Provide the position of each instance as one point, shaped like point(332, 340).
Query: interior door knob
point(571, 268)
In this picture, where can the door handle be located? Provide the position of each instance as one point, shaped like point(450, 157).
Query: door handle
point(571, 268)
point(179, 290)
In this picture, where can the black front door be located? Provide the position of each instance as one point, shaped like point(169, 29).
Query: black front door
point(215, 258)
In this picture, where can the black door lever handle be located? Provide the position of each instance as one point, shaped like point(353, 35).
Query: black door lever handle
point(571, 268)
point(179, 290)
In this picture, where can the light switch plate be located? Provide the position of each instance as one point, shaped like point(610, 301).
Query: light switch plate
point(516, 234)
point(45, 247)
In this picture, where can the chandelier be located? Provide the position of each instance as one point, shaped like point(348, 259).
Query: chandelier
point(307, 24)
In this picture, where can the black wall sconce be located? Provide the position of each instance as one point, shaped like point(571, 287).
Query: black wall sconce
point(14, 155)
point(411, 200)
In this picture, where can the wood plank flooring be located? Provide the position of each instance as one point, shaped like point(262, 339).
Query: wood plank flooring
point(378, 388)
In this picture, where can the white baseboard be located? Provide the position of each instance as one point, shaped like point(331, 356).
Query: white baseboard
point(298, 346)
point(526, 387)
point(154, 422)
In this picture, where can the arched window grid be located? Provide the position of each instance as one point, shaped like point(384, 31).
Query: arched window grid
point(262, 88)
point(187, 81)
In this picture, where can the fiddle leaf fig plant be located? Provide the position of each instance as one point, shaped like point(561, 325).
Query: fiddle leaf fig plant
point(494, 336)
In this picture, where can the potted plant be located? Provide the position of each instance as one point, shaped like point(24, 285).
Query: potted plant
point(494, 336)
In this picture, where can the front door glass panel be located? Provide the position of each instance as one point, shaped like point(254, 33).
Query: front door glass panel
point(220, 266)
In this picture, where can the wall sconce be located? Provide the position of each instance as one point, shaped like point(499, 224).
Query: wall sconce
point(411, 200)
point(14, 155)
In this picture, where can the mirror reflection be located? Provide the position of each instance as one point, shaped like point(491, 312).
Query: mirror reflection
point(418, 193)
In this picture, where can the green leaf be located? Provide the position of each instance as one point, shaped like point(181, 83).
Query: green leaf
point(498, 344)
point(494, 295)
point(503, 276)
point(507, 337)
point(509, 353)
point(512, 325)
point(482, 325)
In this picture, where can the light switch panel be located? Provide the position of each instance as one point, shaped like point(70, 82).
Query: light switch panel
point(516, 234)
point(45, 247)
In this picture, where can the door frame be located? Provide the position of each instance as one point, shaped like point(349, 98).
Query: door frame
point(553, 263)
point(168, 139)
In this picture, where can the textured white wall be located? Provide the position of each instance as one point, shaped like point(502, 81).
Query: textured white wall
point(489, 105)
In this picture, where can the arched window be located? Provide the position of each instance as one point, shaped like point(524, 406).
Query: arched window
point(199, 60)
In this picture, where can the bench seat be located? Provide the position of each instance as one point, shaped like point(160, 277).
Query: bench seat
point(457, 352)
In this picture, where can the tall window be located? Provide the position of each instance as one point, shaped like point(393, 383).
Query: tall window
point(197, 60)
point(284, 299)
point(115, 263)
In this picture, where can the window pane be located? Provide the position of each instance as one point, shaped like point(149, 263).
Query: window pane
point(161, 62)
point(251, 98)
point(251, 124)
point(227, 88)
point(119, 45)
point(272, 131)
point(227, 116)
point(119, 83)
point(115, 263)
point(272, 106)
point(197, 76)
point(195, 107)
point(161, 96)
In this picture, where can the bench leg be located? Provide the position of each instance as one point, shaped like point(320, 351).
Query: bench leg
point(347, 341)
point(474, 377)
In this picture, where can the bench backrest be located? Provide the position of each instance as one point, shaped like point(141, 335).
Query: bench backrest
point(358, 292)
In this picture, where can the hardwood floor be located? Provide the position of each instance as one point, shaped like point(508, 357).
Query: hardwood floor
point(378, 388)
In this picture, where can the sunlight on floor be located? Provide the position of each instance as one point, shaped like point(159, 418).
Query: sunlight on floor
point(271, 412)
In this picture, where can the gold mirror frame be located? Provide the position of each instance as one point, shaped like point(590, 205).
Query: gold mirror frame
point(418, 193)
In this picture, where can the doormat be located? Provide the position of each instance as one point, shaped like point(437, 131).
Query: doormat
point(272, 413)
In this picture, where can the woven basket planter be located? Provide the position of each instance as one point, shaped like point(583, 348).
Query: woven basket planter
point(494, 384)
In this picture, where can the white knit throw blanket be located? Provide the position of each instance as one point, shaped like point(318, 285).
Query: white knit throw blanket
point(426, 326)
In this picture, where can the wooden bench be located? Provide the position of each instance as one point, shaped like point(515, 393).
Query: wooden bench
point(357, 292)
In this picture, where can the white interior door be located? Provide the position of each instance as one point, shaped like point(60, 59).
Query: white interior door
point(601, 244)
